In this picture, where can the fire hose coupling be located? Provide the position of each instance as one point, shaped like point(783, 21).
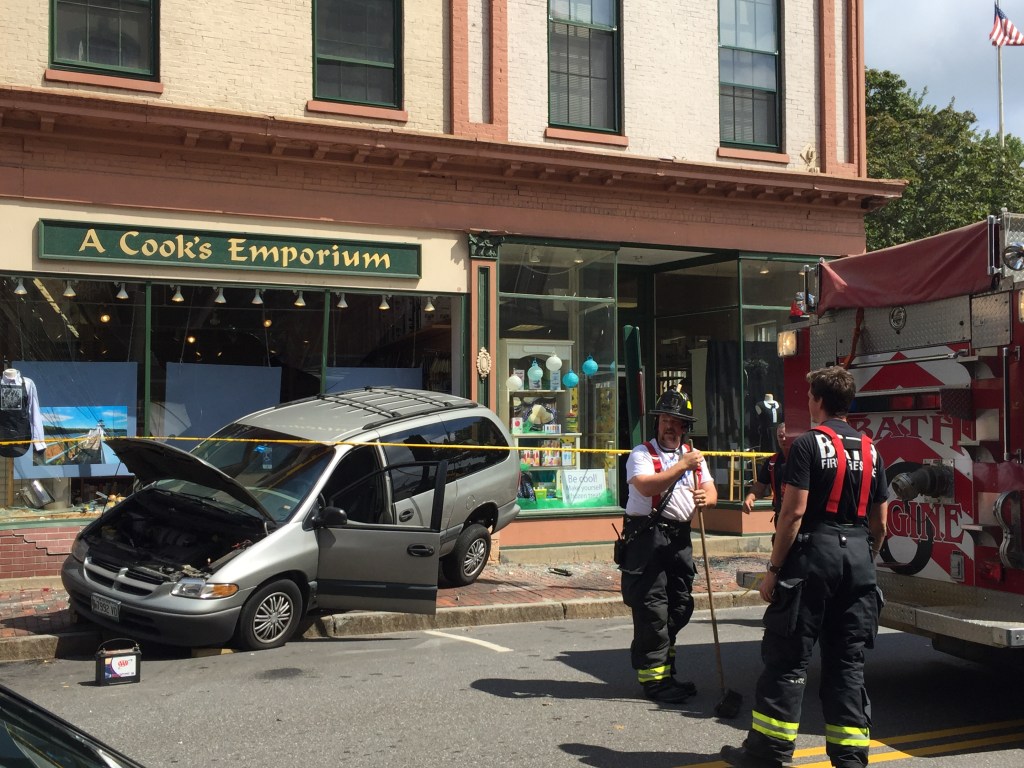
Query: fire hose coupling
point(934, 480)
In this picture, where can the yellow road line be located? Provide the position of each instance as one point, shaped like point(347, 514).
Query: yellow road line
point(947, 747)
point(887, 755)
point(959, 731)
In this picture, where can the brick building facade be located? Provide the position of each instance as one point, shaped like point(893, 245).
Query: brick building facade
point(556, 171)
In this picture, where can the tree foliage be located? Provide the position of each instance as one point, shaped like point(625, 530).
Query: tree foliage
point(956, 175)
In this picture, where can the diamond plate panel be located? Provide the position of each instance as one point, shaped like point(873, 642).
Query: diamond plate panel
point(982, 616)
point(990, 320)
point(823, 345)
point(888, 329)
point(1013, 228)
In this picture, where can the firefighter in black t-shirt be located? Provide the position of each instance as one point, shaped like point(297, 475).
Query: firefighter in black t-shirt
point(820, 585)
point(770, 475)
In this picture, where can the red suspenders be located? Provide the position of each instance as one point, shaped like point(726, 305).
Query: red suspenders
point(656, 460)
point(832, 507)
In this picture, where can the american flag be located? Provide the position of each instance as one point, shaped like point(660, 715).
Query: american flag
point(1003, 32)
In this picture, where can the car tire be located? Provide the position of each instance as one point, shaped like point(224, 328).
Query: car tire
point(270, 617)
point(466, 561)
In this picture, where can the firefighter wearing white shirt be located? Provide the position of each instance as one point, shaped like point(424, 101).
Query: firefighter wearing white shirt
point(657, 567)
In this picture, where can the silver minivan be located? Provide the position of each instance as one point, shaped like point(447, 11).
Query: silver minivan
point(353, 500)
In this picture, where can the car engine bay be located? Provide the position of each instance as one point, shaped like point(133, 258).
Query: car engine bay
point(160, 536)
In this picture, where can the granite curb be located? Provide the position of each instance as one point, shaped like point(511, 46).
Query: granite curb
point(85, 641)
point(356, 623)
point(81, 642)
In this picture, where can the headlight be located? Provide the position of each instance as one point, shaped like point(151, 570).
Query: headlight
point(1013, 257)
point(201, 589)
point(785, 343)
point(79, 550)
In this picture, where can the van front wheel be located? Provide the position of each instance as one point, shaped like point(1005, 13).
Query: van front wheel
point(270, 617)
point(466, 561)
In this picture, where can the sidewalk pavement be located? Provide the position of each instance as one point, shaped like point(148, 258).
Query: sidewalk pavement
point(545, 585)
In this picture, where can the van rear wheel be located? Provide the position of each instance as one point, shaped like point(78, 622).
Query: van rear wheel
point(466, 561)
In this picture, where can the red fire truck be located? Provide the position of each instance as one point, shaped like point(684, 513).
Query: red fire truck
point(933, 332)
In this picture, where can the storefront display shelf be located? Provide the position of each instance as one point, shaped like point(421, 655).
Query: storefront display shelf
point(21, 515)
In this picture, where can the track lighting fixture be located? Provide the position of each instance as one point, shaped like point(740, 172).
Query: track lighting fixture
point(384, 303)
point(430, 304)
point(342, 303)
point(177, 298)
point(257, 297)
point(19, 289)
point(122, 294)
point(219, 298)
point(69, 291)
point(299, 301)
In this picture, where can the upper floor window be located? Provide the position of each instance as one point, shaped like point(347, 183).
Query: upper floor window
point(583, 64)
point(110, 37)
point(359, 51)
point(748, 72)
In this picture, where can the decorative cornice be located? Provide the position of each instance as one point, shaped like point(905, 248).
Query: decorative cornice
point(76, 117)
point(484, 245)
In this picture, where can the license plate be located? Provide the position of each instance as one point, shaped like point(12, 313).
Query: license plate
point(104, 606)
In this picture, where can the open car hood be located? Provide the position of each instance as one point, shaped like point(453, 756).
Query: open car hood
point(150, 461)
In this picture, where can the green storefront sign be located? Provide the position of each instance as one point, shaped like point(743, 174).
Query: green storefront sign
point(194, 248)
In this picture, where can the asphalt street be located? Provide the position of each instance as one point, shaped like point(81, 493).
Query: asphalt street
point(534, 694)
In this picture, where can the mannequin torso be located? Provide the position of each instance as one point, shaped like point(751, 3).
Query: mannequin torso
point(769, 414)
point(21, 423)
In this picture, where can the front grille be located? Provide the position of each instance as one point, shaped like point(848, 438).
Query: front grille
point(118, 579)
point(101, 562)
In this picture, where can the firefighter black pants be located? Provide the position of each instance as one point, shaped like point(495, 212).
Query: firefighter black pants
point(657, 581)
point(827, 594)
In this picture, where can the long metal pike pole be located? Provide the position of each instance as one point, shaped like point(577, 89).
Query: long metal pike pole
point(731, 701)
point(707, 575)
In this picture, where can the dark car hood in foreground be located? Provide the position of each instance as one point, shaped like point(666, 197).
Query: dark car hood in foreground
point(27, 732)
point(150, 461)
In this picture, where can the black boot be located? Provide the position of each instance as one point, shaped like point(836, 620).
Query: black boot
point(689, 686)
point(667, 691)
point(741, 758)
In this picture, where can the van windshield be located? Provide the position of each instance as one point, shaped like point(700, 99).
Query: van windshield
point(278, 469)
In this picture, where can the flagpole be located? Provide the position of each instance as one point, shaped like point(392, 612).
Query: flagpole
point(999, 69)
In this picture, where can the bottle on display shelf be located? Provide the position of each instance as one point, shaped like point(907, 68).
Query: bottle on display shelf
point(572, 423)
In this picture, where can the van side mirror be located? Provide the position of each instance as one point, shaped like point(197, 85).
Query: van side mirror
point(331, 517)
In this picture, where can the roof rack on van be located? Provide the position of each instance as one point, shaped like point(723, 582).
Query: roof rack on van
point(429, 402)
